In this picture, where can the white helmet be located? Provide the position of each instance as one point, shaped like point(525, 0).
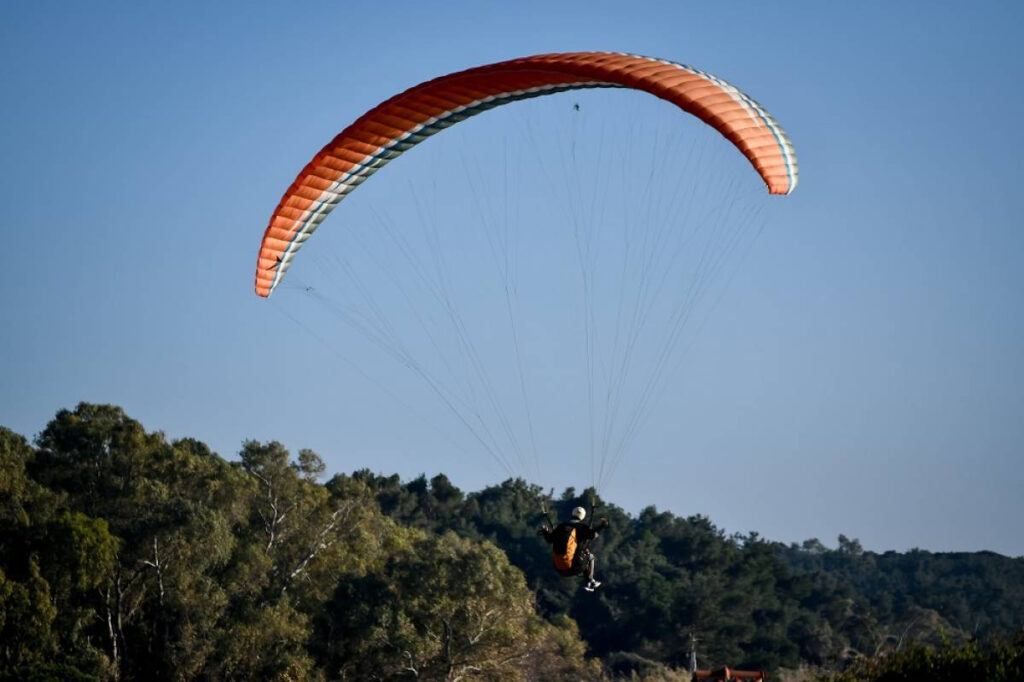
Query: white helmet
point(579, 513)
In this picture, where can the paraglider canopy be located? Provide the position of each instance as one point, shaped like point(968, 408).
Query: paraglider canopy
point(408, 118)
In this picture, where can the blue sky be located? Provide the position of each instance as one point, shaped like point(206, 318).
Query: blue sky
point(859, 372)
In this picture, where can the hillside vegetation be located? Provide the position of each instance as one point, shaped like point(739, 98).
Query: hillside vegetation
point(127, 556)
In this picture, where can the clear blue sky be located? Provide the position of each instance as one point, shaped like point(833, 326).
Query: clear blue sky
point(861, 373)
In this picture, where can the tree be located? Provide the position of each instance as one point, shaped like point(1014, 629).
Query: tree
point(442, 608)
point(26, 620)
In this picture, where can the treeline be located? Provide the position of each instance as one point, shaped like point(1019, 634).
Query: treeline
point(996, 660)
point(748, 602)
point(124, 555)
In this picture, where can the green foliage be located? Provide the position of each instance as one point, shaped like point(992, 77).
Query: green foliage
point(26, 619)
point(267, 644)
point(750, 602)
point(129, 557)
point(998, 661)
point(19, 494)
point(80, 553)
point(48, 672)
point(125, 556)
point(441, 608)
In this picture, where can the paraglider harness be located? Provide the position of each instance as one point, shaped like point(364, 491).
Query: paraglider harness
point(568, 553)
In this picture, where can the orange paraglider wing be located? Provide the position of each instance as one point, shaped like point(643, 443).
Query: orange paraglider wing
point(407, 119)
